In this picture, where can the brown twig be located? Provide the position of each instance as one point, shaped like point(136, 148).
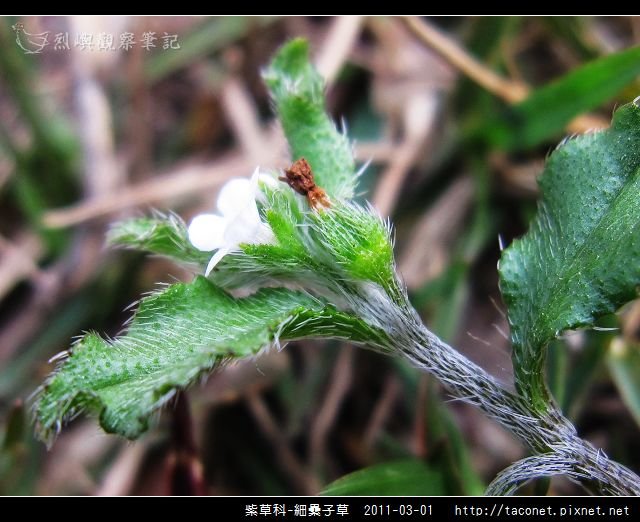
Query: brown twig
point(301, 479)
point(140, 114)
point(48, 290)
point(120, 477)
point(519, 177)
point(382, 410)
point(19, 260)
point(375, 151)
point(337, 390)
point(509, 90)
point(419, 120)
point(435, 228)
point(392, 179)
point(338, 42)
point(101, 172)
point(243, 118)
point(188, 179)
point(183, 181)
point(184, 468)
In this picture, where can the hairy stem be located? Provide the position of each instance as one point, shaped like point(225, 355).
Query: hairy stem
point(550, 436)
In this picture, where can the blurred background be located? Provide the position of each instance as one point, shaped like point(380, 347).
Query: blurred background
point(107, 117)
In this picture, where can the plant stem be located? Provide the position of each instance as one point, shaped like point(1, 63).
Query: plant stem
point(549, 435)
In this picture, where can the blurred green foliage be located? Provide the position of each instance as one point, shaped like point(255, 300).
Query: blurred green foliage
point(565, 62)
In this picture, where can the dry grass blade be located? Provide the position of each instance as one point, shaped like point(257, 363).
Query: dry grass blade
point(426, 254)
point(506, 89)
point(509, 90)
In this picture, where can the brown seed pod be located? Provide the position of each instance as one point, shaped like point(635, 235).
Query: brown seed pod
point(300, 178)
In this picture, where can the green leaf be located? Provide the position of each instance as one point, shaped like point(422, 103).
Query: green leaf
point(177, 336)
point(581, 256)
point(344, 243)
point(570, 373)
point(165, 235)
point(298, 92)
point(547, 111)
point(357, 240)
point(403, 477)
point(557, 371)
point(624, 364)
point(580, 377)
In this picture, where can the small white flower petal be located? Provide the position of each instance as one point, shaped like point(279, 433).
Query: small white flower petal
point(262, 177)
point(254, 178)
point(243, 227)
point(217, 257)
point(268, 180)
point(206, 232)
point(262, 180)
point(234, 196)
point(240, 221)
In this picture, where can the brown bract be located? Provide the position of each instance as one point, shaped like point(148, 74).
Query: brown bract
point(300, 178)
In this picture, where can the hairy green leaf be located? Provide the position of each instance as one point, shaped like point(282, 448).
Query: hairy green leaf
point(315, 249)
point(165, 235)
point(177, 336)
point(403, 477)
point(581, 256)
point(298, 92)
point(358, 241)
point(546, 111)
point(346, 242)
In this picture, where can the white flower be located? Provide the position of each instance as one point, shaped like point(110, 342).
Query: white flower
point(238, 220)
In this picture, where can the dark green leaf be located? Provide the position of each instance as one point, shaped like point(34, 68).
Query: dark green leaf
point(581, 256)
point(177, 336)
point(404, 477)
point(163, 235)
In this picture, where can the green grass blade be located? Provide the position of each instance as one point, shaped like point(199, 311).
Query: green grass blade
point(547, 110)
point(404, 477)
point(624, 364)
